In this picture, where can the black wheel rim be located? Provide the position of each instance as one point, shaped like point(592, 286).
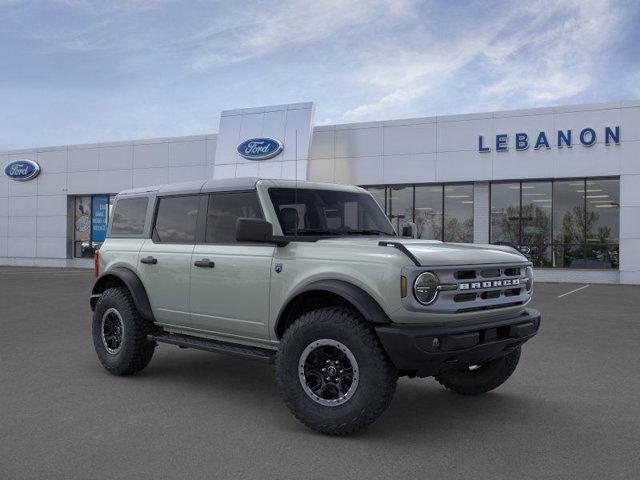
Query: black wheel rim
point(112, 331)
point(328, 372)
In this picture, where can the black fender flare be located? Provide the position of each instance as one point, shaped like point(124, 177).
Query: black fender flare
point(368, 307)
point(132, 282)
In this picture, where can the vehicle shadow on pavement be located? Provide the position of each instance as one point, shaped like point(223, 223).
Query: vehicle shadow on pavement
point(421, 407)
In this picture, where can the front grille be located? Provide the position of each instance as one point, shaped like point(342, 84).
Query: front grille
point(476, 288)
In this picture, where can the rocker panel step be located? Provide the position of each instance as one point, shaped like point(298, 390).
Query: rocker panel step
point(251, 353)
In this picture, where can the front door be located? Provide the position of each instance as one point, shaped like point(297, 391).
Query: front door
point(230, 280)
point(164, 262)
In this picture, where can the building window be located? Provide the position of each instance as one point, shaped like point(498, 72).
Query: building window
point(428, 211)
point(440, 212)
point(564, 223)
point(458, 213)
point(400, 205)
point(91, 218)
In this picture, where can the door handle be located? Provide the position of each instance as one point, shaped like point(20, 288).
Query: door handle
point(149, 260)
point(204, 263)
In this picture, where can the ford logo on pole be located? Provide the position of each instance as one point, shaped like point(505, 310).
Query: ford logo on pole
point(22, 170)
point(260, 148)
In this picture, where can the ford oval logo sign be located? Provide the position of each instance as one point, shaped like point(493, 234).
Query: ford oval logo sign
point(22, 170)
point(260, 148)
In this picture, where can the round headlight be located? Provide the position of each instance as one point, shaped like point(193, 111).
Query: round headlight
point(425, 288)
point(528, 273)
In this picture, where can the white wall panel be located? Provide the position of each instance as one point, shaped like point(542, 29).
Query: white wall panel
point(83, 159)
point(4, 206)
point(52, 226)
point(630, 191)
point(630, 124)
point(415, 168)
point(4, 226)
point(322, 144)
point(359, 171)
point(22, 227)
point(187, 153)
point(463, 135)
point(225, 171)
point(83, 182)
point(51, 247)
point(528, 163)
point(596, 119)
point(22, 206)
point(581, 161)
point(51, 205)
point(295, 170)
point(21, 246)
point(113, 181)
point(144, 177)
point(420, 138)
point(187, 174)
point(3, 248)
point(630, 157)
point(228, 141)
point(269, 169)
point(52, 183)
point(359, 142)
point(463, 166)
point(151, 155)
point(117, 157)
point(322, 170)
point(52, 161)
point(248, 169)
point(22, 189)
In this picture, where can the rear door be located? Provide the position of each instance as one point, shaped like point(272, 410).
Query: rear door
point(164, 262)
point(230, 280)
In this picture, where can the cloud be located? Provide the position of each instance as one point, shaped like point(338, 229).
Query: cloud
point(541, 53)
point(287, 25)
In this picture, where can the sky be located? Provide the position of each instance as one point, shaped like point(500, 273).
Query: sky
point(80, 71)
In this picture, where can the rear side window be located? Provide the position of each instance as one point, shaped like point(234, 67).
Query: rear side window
point(128, 216)
point(224, 209)
point(176, 219)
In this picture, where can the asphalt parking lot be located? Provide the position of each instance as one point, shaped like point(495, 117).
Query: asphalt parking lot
point(571, 410)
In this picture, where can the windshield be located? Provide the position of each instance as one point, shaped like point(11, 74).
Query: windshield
point(328, 212)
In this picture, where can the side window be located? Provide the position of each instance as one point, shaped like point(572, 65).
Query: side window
point(128, 216)
point(176, 219)
point(224, 210)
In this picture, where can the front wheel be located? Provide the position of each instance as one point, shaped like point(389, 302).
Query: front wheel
point(478, 379)
point(333, 373)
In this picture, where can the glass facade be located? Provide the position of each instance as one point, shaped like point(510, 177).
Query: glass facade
point(561, 223)
point(90, 221)
point(440, 211)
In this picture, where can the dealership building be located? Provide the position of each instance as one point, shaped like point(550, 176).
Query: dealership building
point(561, 184)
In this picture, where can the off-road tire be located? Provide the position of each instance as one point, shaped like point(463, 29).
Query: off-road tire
point(482, 380)
point(377, 375)
point(136, 350)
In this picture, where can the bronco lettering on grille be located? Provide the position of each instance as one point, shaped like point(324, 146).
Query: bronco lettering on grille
point(489, 284)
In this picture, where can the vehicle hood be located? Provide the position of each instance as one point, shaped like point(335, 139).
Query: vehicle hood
point(436, 253)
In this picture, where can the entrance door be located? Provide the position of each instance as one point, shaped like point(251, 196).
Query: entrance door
point(230, 280)
point(164, 262)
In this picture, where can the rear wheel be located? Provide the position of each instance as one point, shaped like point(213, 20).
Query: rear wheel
point(332, 371)
point(478, 379)
point(120, 333)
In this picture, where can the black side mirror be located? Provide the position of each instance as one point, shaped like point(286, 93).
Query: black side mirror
point(254, 230)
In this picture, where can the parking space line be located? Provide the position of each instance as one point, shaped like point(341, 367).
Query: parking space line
point(573, 291)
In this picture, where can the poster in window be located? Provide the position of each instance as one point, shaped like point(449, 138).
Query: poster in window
point(99, 217)
point(82, 229)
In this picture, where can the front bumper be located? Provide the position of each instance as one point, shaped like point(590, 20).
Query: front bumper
point(426, 350)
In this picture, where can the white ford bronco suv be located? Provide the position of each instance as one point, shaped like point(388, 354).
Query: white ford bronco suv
point(311, 277)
